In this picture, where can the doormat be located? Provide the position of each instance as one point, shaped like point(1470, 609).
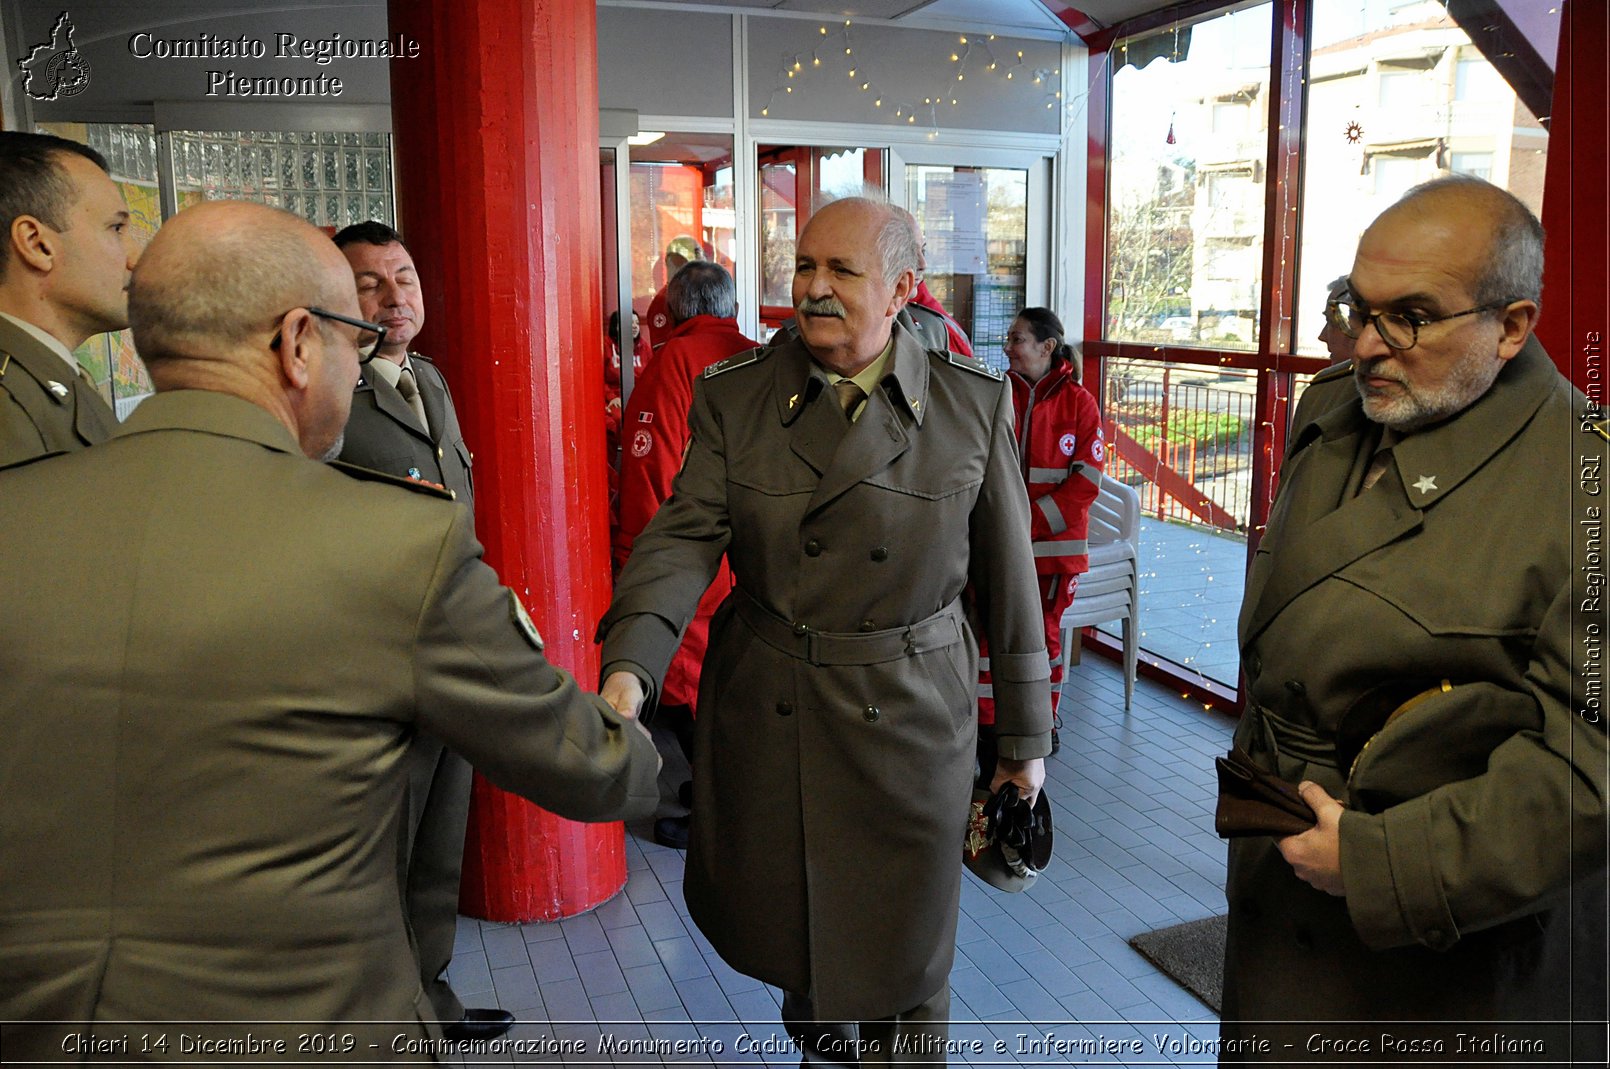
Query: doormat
point(1192, 954)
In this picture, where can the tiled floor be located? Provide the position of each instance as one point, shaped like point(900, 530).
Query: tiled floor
point(1132, 797)
point(1191, 582)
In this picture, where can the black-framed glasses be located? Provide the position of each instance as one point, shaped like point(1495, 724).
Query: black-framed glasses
point(371, 336)
point(1399, 330)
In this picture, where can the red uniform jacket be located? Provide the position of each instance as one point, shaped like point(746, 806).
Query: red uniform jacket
point(655, 434)
point(958, 337)
point(1059, 440)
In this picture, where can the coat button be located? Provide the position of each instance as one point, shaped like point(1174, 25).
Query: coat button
point(870, 714)
point(868, 625)
point(800, 629)
point(438, 452)
point(880, 554)
point(785, 708)
point(1255, 663)
point(813, 548)
point(1296, 687)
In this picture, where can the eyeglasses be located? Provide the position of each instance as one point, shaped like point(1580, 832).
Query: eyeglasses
point(371, 336)
point(1399, 330)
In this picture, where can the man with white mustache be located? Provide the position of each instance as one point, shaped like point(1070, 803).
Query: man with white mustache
point(1412, 639)
point(857, 483)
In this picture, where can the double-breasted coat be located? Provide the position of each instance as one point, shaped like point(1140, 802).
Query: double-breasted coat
point(382, 434)
point(44, 406)
point(1476, 819)
point(836, 733)
point(207, 700)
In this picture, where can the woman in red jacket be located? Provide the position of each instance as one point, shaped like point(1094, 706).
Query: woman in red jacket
point(1061, 448)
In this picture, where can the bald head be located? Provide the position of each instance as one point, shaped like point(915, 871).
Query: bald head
point(1502, 238)
point(222, 301)
point(219, 274)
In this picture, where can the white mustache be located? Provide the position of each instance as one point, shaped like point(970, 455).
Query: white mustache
point(821, 306)
point(1372, 370)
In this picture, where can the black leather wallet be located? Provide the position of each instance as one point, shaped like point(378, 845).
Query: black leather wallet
point(1255, 802)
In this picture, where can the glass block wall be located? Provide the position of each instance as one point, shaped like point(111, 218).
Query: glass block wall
point(330, 179)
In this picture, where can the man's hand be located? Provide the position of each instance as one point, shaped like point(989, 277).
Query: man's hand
point(1028, 775)
point(624, 692)
point(1316, 855)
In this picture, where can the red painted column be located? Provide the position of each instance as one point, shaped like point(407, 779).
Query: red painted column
point(497, 180)
point(1576, 208)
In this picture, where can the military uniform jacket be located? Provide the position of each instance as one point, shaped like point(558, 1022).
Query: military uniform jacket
point(382, 433)
point(835, 737)
point(1472, 815)
point(44, 406)
point(208, 695)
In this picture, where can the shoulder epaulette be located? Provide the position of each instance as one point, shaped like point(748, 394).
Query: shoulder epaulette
point(1332, 373)
point(419, 486)
point(743, 359)
point(969, 363)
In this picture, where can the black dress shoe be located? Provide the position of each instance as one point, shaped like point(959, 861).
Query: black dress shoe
point(684, 794)
point(479, 1024)
point(1056, 743)
point(672, 832)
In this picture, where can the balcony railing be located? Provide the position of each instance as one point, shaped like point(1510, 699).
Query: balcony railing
point(1184, 444)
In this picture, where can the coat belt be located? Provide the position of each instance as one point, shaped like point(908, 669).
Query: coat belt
point(1289, 739)
point(944, 628)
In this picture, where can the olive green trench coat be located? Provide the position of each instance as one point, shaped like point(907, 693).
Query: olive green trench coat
point(1476, 819)
point(836, 731)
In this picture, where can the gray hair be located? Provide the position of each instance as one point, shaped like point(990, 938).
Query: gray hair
point(1514, 270)
point(702, 288)
point(898, 243)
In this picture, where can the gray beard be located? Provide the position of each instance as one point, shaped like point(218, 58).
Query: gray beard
point(1411, 409)
point(335, 448)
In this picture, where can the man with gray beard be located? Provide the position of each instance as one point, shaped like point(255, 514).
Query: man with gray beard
point(1410, 637)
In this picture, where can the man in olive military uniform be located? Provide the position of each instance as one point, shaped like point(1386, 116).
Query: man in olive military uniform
point(66, 250)
point(403, 423)
point(856, 483)
point(208, 707)
point(1412, 637)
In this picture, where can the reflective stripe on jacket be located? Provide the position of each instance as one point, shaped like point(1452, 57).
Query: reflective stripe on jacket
point(1060, 444)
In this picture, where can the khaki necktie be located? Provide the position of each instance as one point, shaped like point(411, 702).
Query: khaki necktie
point(1377, 468)
point(850, 397)
point(410, 393)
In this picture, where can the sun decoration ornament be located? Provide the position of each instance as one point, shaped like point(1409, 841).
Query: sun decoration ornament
point(1354, 133)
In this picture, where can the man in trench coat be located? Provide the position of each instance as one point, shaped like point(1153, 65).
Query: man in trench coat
point(836, 728)
point(1413, 636)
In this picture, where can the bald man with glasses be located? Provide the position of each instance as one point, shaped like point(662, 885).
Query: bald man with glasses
point(1412, 638)
point(218, 655)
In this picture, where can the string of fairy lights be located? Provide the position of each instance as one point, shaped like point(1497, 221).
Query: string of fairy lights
point(834, 52)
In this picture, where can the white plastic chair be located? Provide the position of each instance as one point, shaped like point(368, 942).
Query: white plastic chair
point(1110, 590)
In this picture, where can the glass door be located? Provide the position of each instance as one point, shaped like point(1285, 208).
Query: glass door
point(795, 180)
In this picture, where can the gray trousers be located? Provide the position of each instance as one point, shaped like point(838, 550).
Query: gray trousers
point(916, 1037)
